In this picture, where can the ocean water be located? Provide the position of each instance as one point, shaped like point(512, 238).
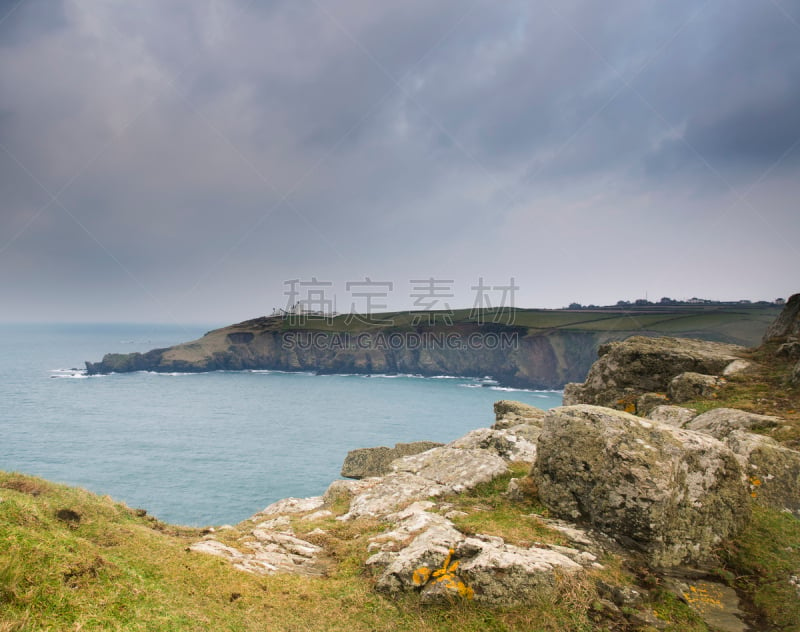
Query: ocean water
point(208, 448)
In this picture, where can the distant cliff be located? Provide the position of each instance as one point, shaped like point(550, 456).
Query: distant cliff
point(542, 349)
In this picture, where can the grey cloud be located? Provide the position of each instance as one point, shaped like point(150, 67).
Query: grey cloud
point(406, 136)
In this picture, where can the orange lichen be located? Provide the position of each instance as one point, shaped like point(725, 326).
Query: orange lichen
point(445, 576)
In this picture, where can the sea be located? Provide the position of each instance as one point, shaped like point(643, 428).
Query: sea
point(209, 448)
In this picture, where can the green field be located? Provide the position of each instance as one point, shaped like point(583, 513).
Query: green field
point(735, 323)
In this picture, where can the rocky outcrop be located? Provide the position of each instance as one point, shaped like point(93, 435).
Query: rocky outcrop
point(270, 548)
point(720, 422)
point(672, 415)
point(626, 370)
point(672, 494)
point(441, 563)
point(787, 324)
point(431, 474)
point(772, 470)
point(513, 413)
point(511, 444)
point(689, 386)
point(365, 462)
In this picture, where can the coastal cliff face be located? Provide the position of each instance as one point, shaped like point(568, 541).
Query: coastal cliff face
point(546, 350)
point(511, 355)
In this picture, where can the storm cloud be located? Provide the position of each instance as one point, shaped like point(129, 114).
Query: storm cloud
point(167, 160)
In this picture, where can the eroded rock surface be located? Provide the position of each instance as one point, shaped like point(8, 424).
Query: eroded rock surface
point(772, 470)
point(672, 494)
point(689, 386)
point(427, 475)
point(628, 369)
point(720, 422)
point(265, 551)
point(365, 462)
point(672, 415)
point(440, 563)
point(787, 323)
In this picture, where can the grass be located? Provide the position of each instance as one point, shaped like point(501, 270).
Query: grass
point(71, 560)
point(761, 561)
point(733, 323)
point(105, 566)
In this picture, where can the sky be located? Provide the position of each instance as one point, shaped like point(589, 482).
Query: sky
point(209, 161)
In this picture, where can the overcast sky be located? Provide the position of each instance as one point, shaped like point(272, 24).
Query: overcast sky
point(169, 161)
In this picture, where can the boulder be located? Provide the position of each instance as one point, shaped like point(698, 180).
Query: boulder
point(720, 422)
point(439, 471)
point(628, 369)
point(737, 367)
point(516, 411)
point(672, 494)
point(365, 462)
point(787, 323)
point(504, 443)
point(648, 402)
point(441, 563)
point(773, 471)
point(672, 415)
point(689, 386)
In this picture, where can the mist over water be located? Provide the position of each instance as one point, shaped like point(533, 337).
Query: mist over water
point(207, 448)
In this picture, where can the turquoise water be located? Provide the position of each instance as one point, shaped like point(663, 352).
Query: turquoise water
point(207, 448)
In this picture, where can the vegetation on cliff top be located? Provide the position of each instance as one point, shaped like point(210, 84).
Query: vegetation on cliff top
point(70, 560)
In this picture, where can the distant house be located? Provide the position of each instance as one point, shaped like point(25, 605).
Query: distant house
point(780, 301)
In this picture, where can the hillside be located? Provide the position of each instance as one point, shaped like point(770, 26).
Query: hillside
point(527, 348)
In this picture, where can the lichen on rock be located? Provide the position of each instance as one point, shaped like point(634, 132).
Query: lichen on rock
point(672, 494)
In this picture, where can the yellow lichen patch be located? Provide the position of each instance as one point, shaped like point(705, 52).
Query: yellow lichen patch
point(703, 597)
point(445, 576)
point(421, 576)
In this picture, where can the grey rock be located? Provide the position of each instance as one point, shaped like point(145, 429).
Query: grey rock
point(737, 367)
point(458, 469)
point(672, 494)
point(514, 491)
point(648, 402)
point(646, 620)
point(484, 568)
point(720, 422)
point(672, 415)
point(269, 553)
point(505, 443)
point(787, 323)
point(622, 596)
point(773, 471)
point(365, 462)
point(506, 409)
point(429, 474)
point(628, 369)
point(689, 386)
point(345, 489)
point(293, 505)
point(795, 378)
